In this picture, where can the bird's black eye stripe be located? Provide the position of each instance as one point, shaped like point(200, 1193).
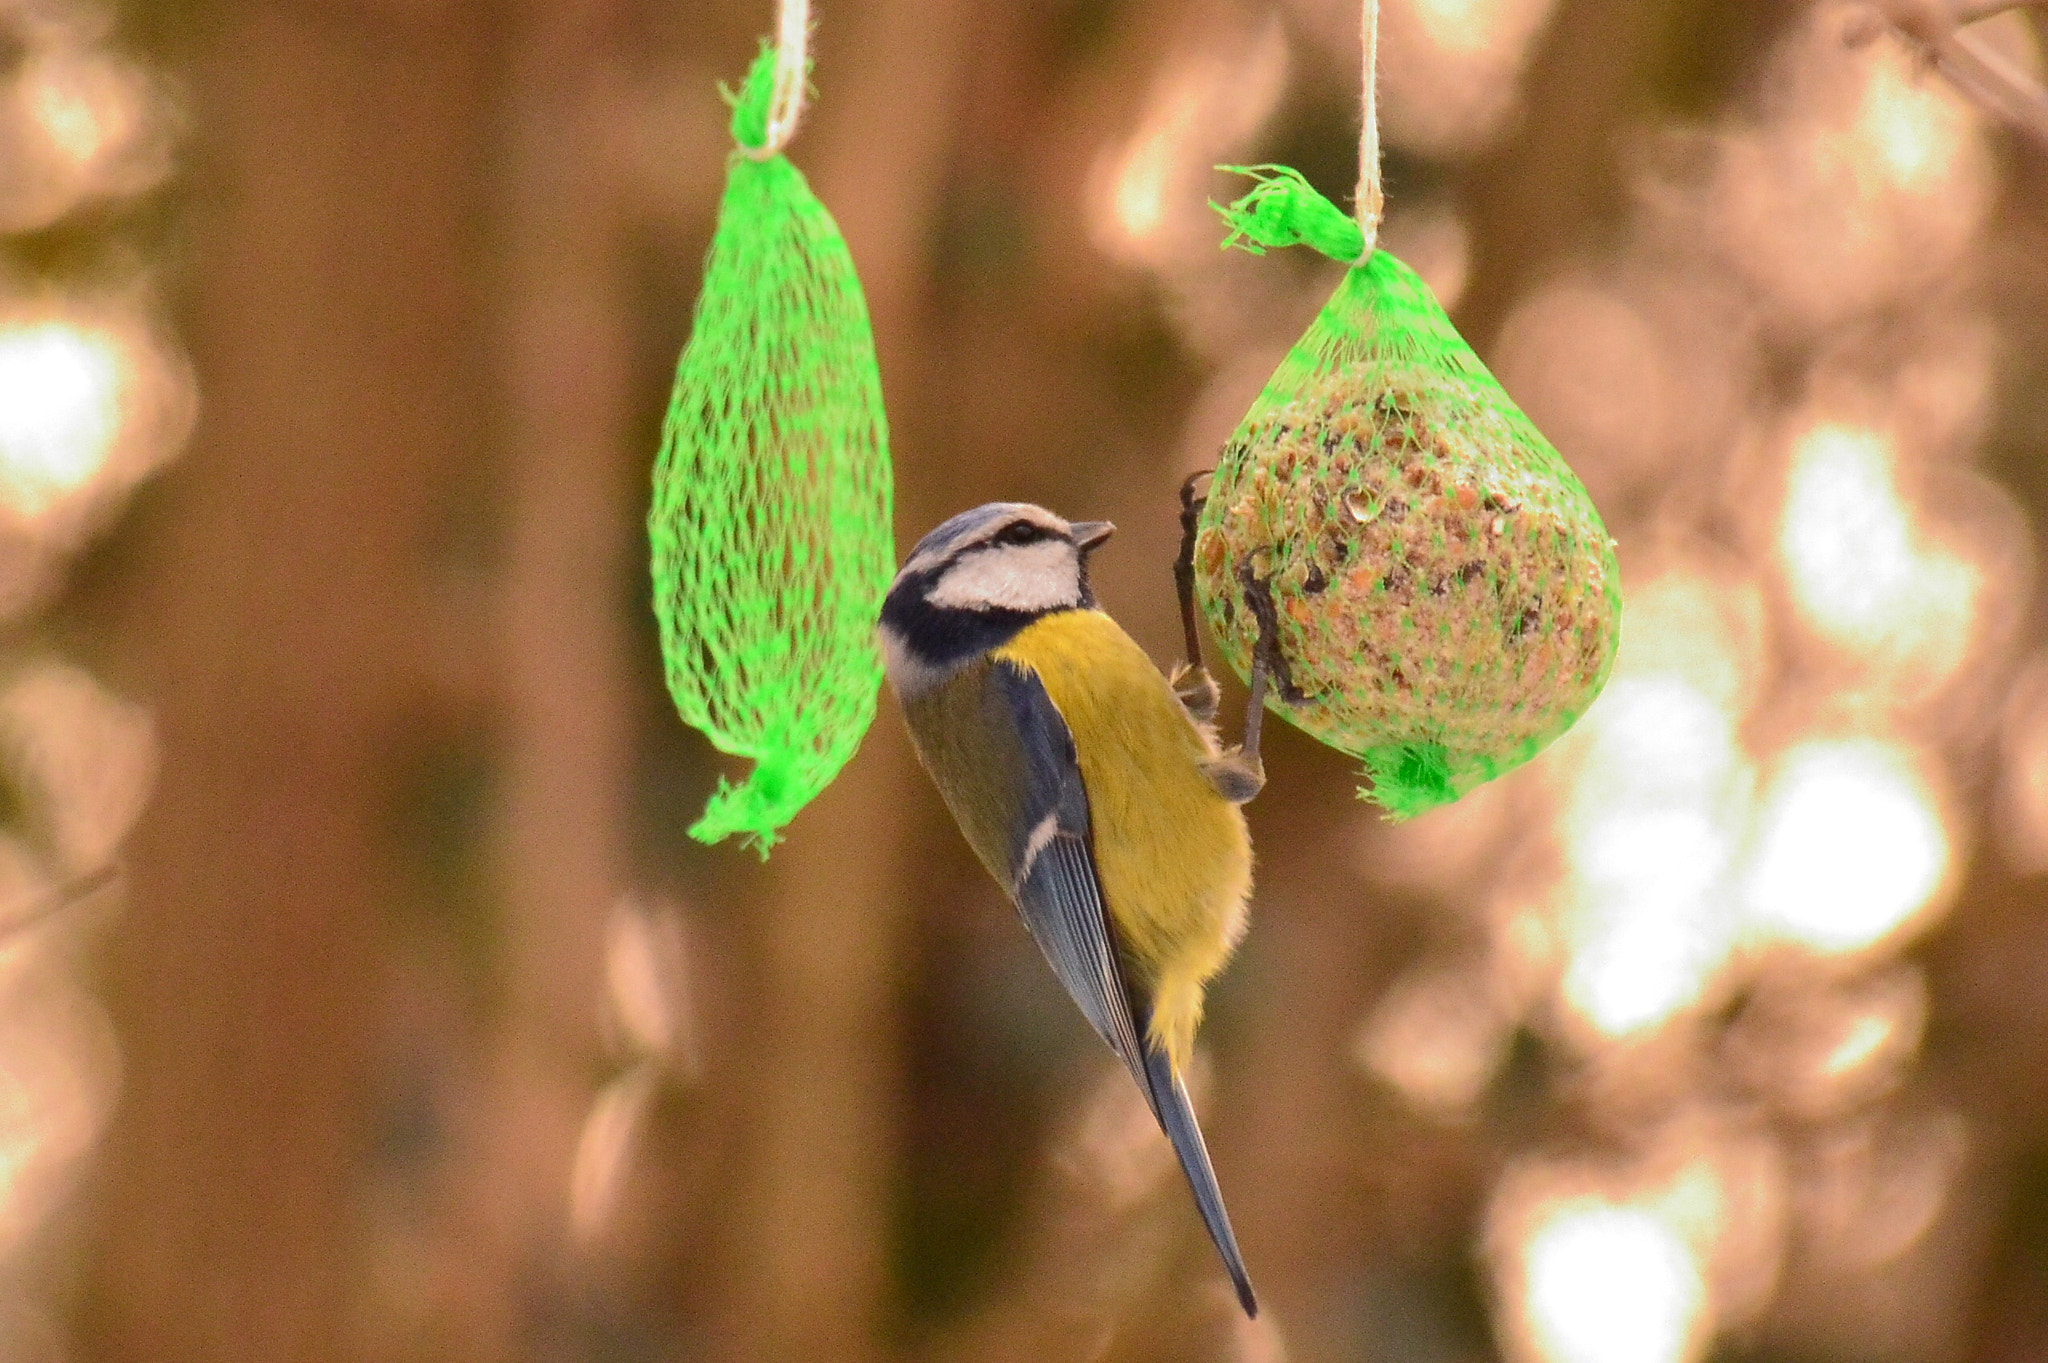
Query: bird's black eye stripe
point(1022, 532)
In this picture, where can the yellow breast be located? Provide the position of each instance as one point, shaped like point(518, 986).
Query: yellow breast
point(1173, 856)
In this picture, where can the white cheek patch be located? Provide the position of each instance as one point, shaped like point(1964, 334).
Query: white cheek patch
point(1026, 577)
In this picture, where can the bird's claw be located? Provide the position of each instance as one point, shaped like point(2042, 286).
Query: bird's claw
point(1237, 775)
point(1197, 691)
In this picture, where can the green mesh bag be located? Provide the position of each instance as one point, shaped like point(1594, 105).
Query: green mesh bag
point(771, 515)
point(1444, 595)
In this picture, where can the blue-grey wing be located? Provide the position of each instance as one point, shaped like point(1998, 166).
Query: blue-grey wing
point(1060, 897)
point(1052, 873)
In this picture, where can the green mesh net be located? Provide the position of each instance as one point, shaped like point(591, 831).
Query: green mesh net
point(1444, 595)
point(771, 515)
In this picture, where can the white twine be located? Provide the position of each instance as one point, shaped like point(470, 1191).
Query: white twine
point(786, 106)
point(1371, 202)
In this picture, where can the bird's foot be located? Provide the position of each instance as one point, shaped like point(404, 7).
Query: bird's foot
point(1237, 775)
point(1197, 691)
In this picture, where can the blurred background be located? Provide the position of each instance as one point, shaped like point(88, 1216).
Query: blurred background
point(361, 999)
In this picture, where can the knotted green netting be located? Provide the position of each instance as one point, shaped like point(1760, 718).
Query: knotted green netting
point(771, 515)
point(1445, 597)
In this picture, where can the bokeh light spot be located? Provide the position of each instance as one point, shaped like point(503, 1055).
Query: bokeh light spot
point(79, 114)
point(85, 758)
point(1850, 847)
point(1861, 573)
point(1437, 1038)
point(1657, 930)
point(1658, 803)
point(1147, 203)
point(1913, 125)
point(60, 409)
point(1610, 1284)
point(1463, 26)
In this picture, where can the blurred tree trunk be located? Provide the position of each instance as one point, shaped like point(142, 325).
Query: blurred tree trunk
point(573, 487)
point(279, 625)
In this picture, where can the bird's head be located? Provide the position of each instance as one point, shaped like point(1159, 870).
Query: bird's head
point(979, 578)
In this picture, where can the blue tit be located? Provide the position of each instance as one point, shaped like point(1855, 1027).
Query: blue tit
point(1087, 788)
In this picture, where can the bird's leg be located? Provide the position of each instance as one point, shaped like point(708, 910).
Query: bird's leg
point(1236, 776)
point(1239, 774)
point(1191, 681)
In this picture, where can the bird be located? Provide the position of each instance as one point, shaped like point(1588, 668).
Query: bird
point(1089, 784)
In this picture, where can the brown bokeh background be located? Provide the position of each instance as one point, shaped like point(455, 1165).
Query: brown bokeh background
point(365, 1001)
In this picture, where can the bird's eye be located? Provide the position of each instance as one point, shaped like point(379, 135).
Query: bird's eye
point(1021, 532)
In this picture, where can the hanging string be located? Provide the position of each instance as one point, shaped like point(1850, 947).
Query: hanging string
point(1371, 202)
point(792, 62)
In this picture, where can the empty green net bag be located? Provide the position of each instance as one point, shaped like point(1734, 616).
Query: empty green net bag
point(1445, 598)
point(770, 523)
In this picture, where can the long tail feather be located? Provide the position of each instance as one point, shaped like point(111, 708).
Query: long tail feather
point(1169, 1099)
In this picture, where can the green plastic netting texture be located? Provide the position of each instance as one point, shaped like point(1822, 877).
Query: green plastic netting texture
point(1444, 595)
point(771, 519)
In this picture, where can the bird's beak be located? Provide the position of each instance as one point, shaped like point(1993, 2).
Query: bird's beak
point(1088, 534)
